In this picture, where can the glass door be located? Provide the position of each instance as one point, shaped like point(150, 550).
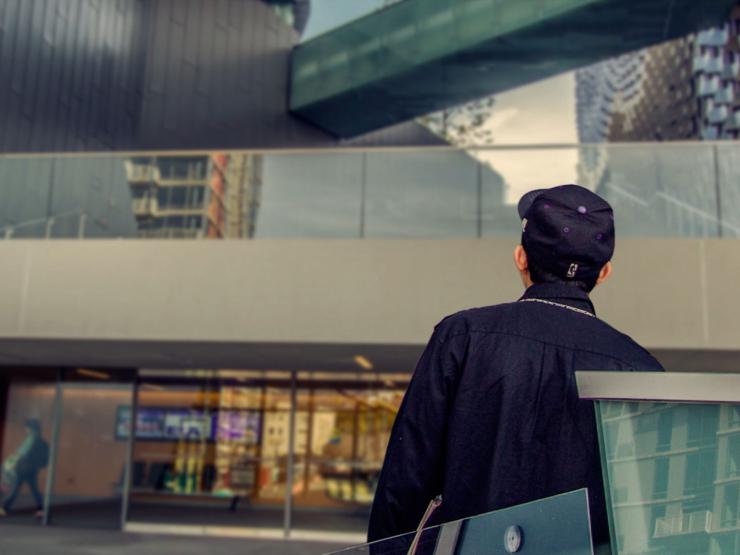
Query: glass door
point(27, 404)
point(90, 463)
point(198, 457)
point(343, 423)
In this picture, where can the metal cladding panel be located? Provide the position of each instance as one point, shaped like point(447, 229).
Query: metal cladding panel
point(74, 68)
point(91, 75)
point(419, 56)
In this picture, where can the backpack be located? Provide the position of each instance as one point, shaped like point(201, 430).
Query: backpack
point(38, 456)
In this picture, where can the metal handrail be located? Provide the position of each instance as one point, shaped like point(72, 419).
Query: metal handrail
point(669, 387)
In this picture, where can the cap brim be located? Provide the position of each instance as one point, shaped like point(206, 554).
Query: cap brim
point(527, 200)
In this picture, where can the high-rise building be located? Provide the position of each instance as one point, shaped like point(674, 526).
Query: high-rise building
point(680, 90)
point(212, 197)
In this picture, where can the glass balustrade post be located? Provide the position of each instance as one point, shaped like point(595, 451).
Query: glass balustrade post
point(717, 189)
point(479, 199)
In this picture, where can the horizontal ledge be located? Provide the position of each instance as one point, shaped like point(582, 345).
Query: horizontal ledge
point(659, 386)
point(274, 533)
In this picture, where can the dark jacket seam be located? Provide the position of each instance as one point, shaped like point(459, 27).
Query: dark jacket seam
point(548, 343)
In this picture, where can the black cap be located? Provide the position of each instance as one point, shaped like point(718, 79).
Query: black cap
point(568, 231)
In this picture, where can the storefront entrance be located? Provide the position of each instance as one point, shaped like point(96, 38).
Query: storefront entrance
point(232, 452)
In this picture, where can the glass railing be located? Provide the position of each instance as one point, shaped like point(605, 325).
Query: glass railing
point(671, 460)
point(556, 525)
point(657, 190)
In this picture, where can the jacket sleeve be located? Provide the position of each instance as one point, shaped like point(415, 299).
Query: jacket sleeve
point(412, 473)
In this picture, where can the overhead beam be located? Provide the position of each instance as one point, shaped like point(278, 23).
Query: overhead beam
point(420, 56)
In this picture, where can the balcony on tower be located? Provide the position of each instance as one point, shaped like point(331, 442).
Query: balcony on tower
point(713, 37)
point(698, 522)
point(726, 95)
point(718, 114)
point(708, 85)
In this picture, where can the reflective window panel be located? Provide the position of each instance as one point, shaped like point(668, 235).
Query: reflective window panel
point(656, 189)
point(340, 442)
point(27, 402)
point(198, 456)
point(672, 473)
point(90, 463)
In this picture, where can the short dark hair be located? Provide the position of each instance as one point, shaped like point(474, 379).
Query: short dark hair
point(539, 275)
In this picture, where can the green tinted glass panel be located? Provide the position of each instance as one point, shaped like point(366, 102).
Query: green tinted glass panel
point(672, 473)
point(656, 190)
point(557, 525)
point(419, 56)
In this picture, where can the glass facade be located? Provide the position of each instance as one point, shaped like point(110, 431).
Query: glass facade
point(672, 473)
point(60, 460)
point(659, 190)
point(271, 451)
point(89, 463)
point(25, 398)
point(257, 452)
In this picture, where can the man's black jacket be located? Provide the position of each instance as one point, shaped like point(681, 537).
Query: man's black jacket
point(492, 417)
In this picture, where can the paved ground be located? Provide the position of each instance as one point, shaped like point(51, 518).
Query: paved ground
point(35, 540)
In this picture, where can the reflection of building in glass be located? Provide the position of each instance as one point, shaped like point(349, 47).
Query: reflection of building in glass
point(195, 196)
point(674, 474)
point(64, 198)
point(684, 89)
point(383, 194)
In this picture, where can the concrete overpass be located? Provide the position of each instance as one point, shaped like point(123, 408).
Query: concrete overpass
point(419, 56)
point(305, 304)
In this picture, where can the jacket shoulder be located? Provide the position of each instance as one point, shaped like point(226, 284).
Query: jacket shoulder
point(472, 319)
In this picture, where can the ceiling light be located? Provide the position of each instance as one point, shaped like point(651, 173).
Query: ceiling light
point(93, 374)
point(362, 362)
point(152, 387)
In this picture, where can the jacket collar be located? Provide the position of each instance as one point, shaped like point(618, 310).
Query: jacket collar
point(561, 293)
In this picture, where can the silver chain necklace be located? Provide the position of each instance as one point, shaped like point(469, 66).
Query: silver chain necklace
point(551, 303)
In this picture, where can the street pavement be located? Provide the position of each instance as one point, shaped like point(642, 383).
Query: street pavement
point(35, 540)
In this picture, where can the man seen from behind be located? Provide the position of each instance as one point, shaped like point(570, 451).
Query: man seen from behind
point(492, 417)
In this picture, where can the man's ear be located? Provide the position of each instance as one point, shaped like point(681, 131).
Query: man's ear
point(605, 273)
point(520, 259)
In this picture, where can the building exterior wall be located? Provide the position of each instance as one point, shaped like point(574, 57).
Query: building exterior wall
point(335, 292)
point(90, 75)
